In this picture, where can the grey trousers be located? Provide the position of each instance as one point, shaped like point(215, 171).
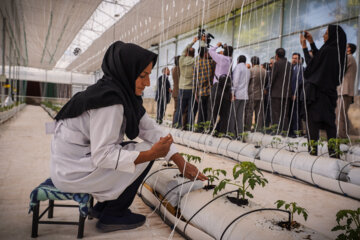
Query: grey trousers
point(236, 125)
point(256, 106)
point(342, 121)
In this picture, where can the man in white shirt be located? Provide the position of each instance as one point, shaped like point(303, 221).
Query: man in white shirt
point(241, 77)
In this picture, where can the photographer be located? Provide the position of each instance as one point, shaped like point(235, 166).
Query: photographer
point(186, 93)
point(221, 84)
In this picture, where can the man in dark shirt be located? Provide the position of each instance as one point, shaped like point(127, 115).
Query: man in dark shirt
point(280, 90)
point(162, 94)
point(297, 72)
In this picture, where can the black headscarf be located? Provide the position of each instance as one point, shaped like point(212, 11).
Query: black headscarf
point(122, 64)
point(326, 68)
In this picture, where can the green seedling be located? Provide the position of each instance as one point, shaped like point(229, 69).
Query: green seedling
point(212, 175)
point(191, 158)
point(297, 133)
point(251, 176)
point(275, 141)
point(293, 208)
point(230, 134)
point(350, 224)
point(244, 136)
point(334, 144)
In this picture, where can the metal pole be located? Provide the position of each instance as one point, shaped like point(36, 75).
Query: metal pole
point(281, 22)
point(3, 62)
point(10, 75)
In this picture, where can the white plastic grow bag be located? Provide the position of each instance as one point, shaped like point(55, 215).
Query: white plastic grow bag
point(192, 232)
point(327, 167)
point(354, 175)
point(216, 216)
point(236, 148)
point(321, 171)
point(166, 180)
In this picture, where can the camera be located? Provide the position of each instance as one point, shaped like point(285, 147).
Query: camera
point(207, 36)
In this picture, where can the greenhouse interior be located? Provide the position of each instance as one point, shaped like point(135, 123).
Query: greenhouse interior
point(237, 119)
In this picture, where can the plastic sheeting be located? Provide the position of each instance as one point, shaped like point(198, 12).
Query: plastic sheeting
point(322, 171)
point(216, 216)
point(164, 181)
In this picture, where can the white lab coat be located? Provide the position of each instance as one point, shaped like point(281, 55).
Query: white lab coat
point(86, 156)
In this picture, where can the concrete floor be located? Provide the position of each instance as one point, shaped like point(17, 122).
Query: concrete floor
point(24, 164)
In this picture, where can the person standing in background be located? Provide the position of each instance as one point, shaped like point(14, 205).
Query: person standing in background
point(297, 73)
point(346, 92)
point(186, 94)
point(280, 91)
point(322, 76)
point(175, 73)
point(241, 78)
point(203, 73)
point(162, 94)
point(221, 89)
point(255, 91)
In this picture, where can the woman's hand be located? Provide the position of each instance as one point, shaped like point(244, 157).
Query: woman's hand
point(308, 37)
point(190, 171)
point(162, 147)
point(302, 41)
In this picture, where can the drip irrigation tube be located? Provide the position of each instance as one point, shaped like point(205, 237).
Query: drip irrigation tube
point(181, 184)
point(142, 184)
point(252, 211)
point(341, 171)
point(212, 200)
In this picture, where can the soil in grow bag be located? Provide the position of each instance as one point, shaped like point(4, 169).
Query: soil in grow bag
point(238, 201)
point(209, 187)
point(288, 225)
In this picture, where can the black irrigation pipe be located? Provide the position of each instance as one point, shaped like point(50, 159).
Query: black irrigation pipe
point(252, 211)
point(272, 160)
point(237, 157)
point(301, 180)
point(188, 221)
point(162, 216)
point(312, 166)
point(142, 184)
point(341, 171)
point(181, 184)
point(292, 159)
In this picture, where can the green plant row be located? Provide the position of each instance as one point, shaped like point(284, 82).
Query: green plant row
point(50, 105)
point(4, 109)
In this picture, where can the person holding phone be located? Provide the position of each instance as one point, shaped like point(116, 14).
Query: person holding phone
point(324, 72)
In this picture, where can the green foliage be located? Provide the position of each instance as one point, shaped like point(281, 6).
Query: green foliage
point(251, 176)
point(284, 133)
point(244, 136)
point(313, 145)
point(191, 158)
point(293, 208)
point(50, 105)
point(334, 144)
point(275, 141)
point(4, 109)
point(230, 134)
point(350, 224)
point(205, 126)
point(292, 145)
point(213, 174)
point(297, 133)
